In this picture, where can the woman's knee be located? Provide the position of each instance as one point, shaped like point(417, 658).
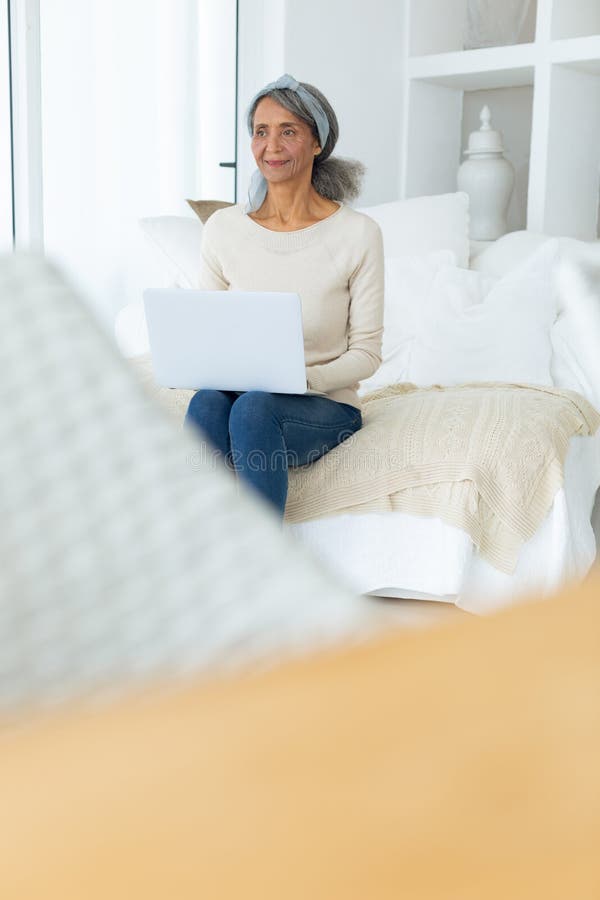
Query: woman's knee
point(207, 405)
point(251, 407)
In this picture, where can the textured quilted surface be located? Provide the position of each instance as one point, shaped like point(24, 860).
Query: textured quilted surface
point(123, 552)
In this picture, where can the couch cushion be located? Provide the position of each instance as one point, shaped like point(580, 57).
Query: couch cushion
point(476, 328)
point(422, 225)
point(177, 239)
point(500, 256)
point(575, 274)
point(408, 280)
point(205, 208)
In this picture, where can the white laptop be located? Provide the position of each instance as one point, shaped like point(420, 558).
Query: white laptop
point(229, 340)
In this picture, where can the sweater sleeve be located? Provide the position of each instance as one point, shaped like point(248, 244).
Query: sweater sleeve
point(210, 276)
point(365, 323)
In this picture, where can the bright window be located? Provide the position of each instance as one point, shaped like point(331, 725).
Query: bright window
point(138, 109)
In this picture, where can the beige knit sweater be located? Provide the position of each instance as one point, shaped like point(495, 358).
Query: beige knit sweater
point(487, 458)
point(336, 265)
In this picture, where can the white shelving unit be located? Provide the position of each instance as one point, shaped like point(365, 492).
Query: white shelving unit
point(544, 94)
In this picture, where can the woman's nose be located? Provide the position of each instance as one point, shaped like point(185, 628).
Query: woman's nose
point(273, 143)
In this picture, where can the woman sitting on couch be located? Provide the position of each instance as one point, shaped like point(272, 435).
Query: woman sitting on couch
point(296, 234)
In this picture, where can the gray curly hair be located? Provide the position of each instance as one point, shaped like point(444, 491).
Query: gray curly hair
point(333, 177)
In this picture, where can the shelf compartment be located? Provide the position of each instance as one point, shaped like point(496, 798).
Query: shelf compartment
point(573, 164)
point(551, 77)
point(433, 139)
point(489, 67)
point(439, 26)
point(575, 18)
point(440, 119)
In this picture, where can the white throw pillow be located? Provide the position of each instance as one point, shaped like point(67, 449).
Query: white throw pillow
point(507, 252)
point(423, 225)
point(131, 330)
point(503, 337)
point(178, 240)
point(576, 334)
point(408, 281)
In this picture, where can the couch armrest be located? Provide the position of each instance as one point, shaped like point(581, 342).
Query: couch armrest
point(174, 400)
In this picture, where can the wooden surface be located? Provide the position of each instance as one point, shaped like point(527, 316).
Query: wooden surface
point(459, 762)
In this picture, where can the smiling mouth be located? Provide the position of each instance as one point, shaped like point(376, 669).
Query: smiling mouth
point(276, 163)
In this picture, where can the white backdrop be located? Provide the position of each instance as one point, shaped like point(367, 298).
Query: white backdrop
point(352, 50)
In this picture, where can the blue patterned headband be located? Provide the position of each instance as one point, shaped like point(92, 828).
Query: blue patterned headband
point(257, 190)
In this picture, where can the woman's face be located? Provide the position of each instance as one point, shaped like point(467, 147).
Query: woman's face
point(283, 146)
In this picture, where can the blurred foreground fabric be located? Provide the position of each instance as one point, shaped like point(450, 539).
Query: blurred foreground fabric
point(126, 552)
point(458, 763)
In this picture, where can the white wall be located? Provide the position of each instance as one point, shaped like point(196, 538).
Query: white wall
point(352, 50)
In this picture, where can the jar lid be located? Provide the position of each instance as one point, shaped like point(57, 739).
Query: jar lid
point(486, 140)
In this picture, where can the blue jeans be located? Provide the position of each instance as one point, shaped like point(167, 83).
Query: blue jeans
point(260, 434)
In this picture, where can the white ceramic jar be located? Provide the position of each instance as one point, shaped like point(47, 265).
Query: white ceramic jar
point(488, 178)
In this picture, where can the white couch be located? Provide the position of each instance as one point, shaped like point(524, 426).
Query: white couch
point(426, 239)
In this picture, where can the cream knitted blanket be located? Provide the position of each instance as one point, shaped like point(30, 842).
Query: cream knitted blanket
point(487, 458)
